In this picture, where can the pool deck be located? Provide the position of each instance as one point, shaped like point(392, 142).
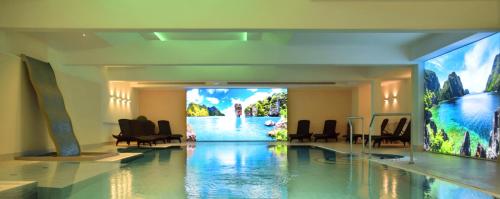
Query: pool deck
point(483, 175)
point(478, 174)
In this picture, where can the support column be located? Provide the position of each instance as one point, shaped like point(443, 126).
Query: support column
point(417, 135)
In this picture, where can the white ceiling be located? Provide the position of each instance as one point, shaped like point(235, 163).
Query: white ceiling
point(274, 56)
point(74, 41)
point(334, 38)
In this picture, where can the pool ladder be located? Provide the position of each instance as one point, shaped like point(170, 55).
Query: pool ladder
point(350, 119)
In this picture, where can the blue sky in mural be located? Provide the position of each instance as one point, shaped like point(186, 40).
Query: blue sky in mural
point(224, 99)
point(472, 63)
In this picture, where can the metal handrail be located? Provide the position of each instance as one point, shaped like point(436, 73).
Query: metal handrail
point(371, 127)
point(349, 120)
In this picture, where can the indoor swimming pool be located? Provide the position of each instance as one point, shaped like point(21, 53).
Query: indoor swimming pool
point(247, 170)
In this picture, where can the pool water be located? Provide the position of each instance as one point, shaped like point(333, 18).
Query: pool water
point(231, 128)
point(257, 170)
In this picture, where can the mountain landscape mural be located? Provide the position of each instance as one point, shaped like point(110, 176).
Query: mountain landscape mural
point(236, 114)
point(462, 100)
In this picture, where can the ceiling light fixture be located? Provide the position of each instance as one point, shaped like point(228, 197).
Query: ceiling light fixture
point(244, 36)
point(160, 36)
point(84, 35)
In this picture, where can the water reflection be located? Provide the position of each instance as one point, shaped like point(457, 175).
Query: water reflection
point(330, 155)
point(121, 185)
point(249, 170)
point(236, 170)
point(257, 170)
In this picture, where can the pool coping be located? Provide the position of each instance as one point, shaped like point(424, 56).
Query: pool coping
point(385, 162)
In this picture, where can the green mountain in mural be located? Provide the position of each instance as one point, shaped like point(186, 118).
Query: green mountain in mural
point(494, 78)
point(200, 110)
point(274, 105)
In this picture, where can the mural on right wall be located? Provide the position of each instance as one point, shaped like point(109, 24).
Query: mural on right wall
point(462, 100)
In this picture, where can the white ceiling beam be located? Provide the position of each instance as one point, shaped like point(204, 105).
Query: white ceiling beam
point(235, 52)
point(268, 73)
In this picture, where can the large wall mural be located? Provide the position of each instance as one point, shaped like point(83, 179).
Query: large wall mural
point(236, 114)
point(462, 100)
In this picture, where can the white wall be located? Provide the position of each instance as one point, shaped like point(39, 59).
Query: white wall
point(369, 98)
point(85, 91)
point(23, 128)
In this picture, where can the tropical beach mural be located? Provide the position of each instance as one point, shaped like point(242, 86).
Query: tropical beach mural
point(236, 114)
point(462, 100)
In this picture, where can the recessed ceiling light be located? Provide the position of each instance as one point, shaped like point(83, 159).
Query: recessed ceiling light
point(244, 36)
point(161, 36)
point(84, 35)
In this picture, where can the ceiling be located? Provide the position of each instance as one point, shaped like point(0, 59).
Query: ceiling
point(183, 58)
point(74, 41)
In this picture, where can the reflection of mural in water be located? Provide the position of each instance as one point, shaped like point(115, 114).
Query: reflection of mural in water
point(440, 189)
point(461, 99)
point(236, 114)
point(250, 170)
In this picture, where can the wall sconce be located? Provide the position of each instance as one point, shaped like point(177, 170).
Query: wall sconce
point(391, 100)
point(120, 99)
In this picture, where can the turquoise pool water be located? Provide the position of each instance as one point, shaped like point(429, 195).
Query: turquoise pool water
point(474, 111)
point(231, 128)
point(257, 170)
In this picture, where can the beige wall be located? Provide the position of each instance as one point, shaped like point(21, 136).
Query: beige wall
point(85, 90)
point(398, 93)
point(371, 98)
point(315, 104)
point(318, 105)
point(164, 105)
point(361, 106)
point(23, 128)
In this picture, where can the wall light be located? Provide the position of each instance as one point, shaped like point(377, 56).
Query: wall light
point(391, 100)
point(119, 98)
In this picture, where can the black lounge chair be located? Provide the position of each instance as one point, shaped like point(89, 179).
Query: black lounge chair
point(406, 136)
point(135, 130)
point(382, 127)
point(302, 131)
point(390, 137)
point(166, 132)
point(355, 136)
point(328, 131)
point(141, 132)
point(125, 134)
